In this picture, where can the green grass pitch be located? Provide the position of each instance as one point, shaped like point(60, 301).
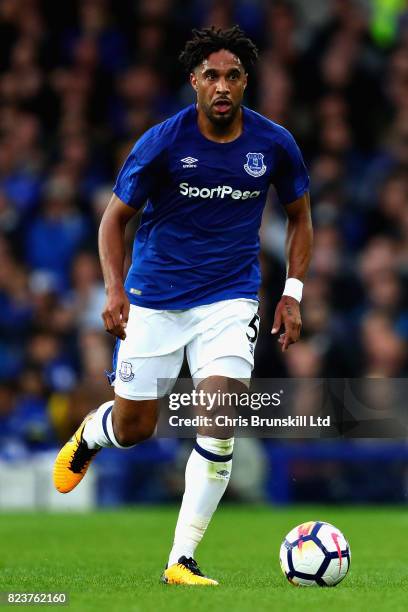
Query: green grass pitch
point(113, 560)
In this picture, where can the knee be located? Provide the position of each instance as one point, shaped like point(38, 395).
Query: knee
point(129, 434)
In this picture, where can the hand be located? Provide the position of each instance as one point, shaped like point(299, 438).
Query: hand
point(288, 313)
point(115, 315)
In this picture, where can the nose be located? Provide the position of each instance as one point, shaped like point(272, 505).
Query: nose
point(222, 86)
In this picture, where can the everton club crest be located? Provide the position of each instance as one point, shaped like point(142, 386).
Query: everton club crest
point(125, 372)
point(255, 164)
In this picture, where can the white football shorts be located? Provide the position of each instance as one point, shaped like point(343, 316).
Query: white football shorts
point(219, 339)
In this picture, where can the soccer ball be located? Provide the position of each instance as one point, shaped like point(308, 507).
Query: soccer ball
point(315, 554)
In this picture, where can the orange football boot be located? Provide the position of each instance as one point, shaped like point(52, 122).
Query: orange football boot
point(73, 460)
point(186, 572)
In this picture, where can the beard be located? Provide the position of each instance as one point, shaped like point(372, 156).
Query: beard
point(221, 119)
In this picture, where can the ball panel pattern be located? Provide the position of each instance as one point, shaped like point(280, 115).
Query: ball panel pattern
point(315, 553)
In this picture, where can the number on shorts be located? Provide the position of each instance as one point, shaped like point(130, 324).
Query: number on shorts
point(254, 327)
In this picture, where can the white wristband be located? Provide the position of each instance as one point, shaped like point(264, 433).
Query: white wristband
point(293, 288)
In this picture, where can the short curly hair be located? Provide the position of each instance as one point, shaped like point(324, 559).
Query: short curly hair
point(209, 40)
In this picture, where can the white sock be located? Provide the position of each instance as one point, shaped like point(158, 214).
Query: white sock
point(207, 474)
point(98, 431)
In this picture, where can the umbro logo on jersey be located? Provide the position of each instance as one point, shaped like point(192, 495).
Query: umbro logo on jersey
point(189, 162)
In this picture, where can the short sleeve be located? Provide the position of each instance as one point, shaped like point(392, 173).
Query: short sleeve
point(139, 173)
point(291, 179)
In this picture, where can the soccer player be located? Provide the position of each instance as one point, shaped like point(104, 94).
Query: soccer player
point(194, 278)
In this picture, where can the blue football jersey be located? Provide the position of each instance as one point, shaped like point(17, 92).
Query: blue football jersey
point(198, 240)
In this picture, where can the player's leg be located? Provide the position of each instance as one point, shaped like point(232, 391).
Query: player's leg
point(121, 423)
point(208, 470)
point(232, 330)
point(132, 416)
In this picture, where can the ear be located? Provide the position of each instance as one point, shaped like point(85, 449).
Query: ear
point(245, 80)
point(193, 80)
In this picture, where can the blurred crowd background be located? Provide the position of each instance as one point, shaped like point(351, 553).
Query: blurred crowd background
point(81, 80)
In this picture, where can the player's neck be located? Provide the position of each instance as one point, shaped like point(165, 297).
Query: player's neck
point(224, 133)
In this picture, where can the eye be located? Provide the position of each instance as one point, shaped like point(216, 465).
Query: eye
point(210, 76)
